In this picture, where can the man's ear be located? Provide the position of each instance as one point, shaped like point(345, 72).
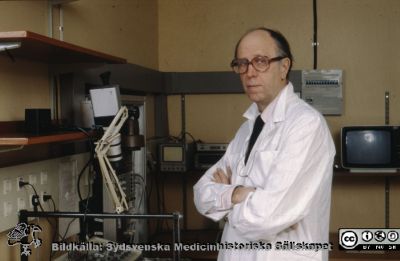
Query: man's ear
point(285, 65)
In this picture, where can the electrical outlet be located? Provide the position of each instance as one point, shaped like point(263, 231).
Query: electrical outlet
point(42, 194)
point(32, 179)
point(30, 201)
point(43, 178)
point(18, 180)
point(7, 208)
point(48, 179)
point(7, 187)
point(21, 204)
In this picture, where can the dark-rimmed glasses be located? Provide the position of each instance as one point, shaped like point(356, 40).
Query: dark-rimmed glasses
point(260, 63)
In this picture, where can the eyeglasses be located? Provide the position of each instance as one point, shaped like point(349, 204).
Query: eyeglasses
point(260, 63)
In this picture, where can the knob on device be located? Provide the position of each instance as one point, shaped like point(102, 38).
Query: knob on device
point(131, 139)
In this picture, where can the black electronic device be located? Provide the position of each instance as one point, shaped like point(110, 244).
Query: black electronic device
point(208, 154)
point(37, 121)
point(208, 147)
point(176, 157)
point(131, 138)
point(370, 148)
point(205, 160)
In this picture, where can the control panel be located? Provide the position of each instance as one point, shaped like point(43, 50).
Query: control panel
point(322, 89)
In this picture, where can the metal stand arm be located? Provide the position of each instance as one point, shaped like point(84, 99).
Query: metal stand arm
point(103, 145)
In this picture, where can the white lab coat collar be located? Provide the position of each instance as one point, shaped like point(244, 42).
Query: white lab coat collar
point(275, 110)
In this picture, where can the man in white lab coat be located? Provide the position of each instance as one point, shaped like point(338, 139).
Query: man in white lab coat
point(273, 185)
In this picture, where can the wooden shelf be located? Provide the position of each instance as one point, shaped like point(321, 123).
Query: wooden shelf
point(347, 173)
point(22, 140)
point(19, 148)
point(48, 50)
point(12, 134)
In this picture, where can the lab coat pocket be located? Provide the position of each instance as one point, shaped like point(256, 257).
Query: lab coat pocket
point(260, 166)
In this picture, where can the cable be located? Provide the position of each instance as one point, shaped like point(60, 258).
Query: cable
point(174, 138)
point(142, 194)
point(183, 118)
point(36, 194)
point(54, 226)
point(191, 136)
point(90, 161)
point(89, 137)
point(69, 224)
point(315, 38)
point(141, 178)
point(54, 204)
point(80, 176)
point(158, 225)
point(66, 231)
point(91, 170)
point(155, 138)
point(163, 200)
point(55, 231)
point(149, 190)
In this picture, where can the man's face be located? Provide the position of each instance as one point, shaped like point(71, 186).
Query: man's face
point(262, 87)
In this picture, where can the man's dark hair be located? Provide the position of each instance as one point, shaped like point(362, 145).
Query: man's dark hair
point(280, 40)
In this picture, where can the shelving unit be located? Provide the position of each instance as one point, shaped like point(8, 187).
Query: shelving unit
point(23, 140)
point(347, 173)
point(36, 47)
point(48, 50)
point(17, 147)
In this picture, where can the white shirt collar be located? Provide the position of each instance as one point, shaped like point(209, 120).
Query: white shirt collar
point(275, 110)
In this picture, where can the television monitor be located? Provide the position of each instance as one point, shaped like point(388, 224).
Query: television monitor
point(173, 153)
point(370, 148)
point(176, 157)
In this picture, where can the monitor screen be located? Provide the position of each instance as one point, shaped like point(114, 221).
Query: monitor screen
point(368, 147)
point(173, 153)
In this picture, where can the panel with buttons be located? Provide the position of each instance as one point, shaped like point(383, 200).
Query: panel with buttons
point(322, 89)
